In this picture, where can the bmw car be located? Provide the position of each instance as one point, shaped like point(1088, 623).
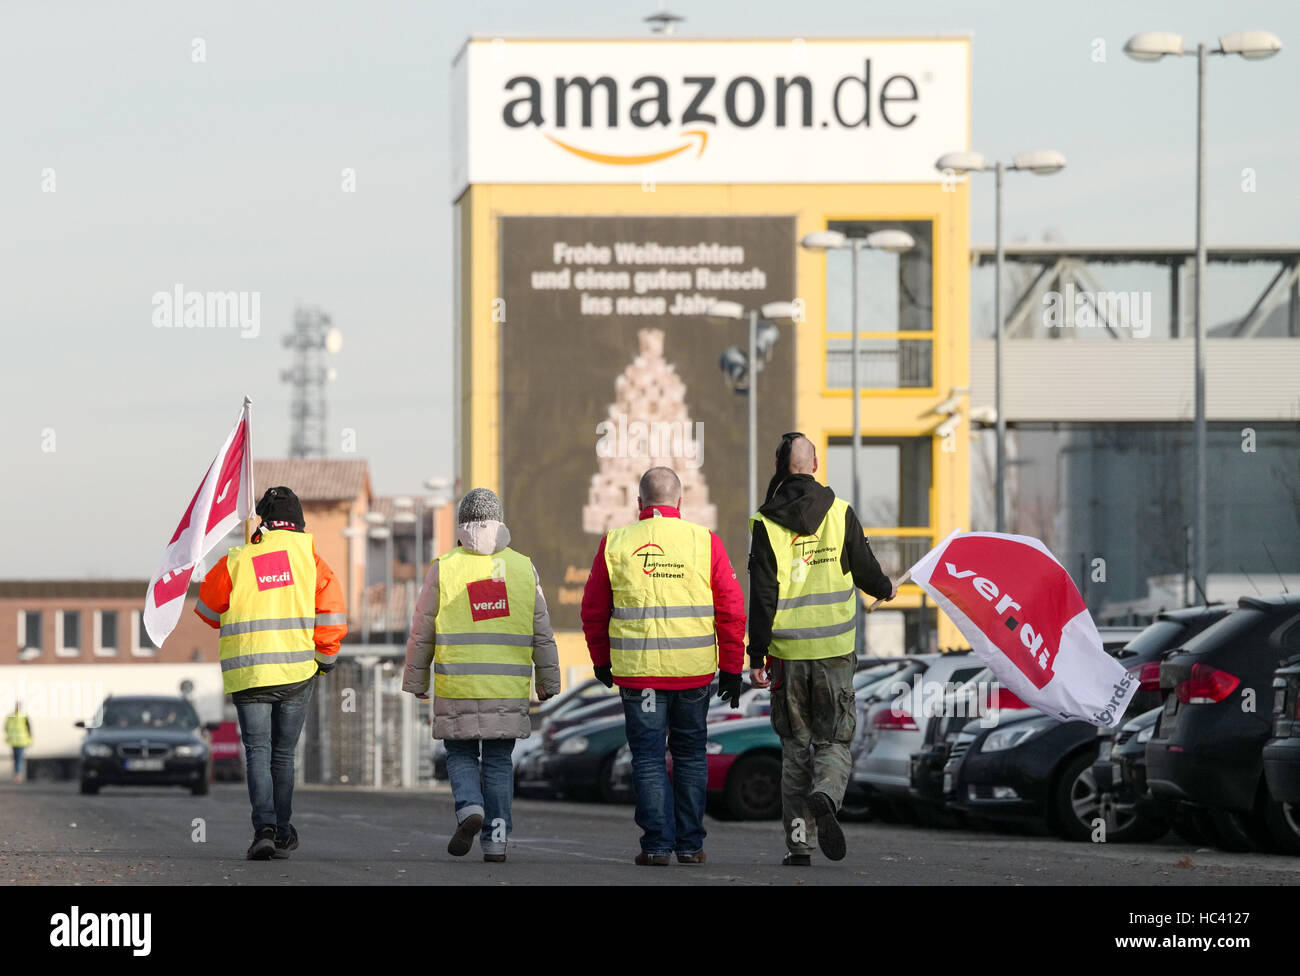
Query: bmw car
point(146, 741)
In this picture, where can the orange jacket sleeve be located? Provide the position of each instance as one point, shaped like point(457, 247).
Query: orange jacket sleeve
point(331, 613)
point(214, 595)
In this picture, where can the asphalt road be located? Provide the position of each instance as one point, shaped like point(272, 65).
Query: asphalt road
point(50, 834)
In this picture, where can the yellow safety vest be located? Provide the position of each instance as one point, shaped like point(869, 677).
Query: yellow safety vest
point(267, 635)
point(662, 625)
point(816, 608)
point(483, 631)
point(16, 734)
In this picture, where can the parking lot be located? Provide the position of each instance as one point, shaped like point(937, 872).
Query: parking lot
point(53, 835)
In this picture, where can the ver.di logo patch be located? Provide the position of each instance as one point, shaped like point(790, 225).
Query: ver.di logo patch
point(272, 570)
point(488, 599)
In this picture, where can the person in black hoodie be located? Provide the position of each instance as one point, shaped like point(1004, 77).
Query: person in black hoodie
point(802, 639)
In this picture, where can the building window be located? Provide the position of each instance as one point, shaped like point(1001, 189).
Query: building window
point(895, 313)
point(67, 632)
point(29, 634)
point(895, 479)
point(141, 645)
point(106, 632)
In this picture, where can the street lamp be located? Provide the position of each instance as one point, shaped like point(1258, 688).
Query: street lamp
point(893, 242)
point(1042, 162)
point(772, 312)
point(1152, 46)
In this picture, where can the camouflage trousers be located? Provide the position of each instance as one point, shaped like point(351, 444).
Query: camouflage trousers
point(814, 714)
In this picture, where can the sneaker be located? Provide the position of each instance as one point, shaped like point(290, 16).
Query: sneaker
point(263, 846)
point(696, 858)
point(286, 842)
point(658, 860)
point(494, 858)
point(463, 839)
point(793, 860)
point(830, 838)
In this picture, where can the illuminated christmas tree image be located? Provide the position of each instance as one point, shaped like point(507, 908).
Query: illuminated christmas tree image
point(648, 425)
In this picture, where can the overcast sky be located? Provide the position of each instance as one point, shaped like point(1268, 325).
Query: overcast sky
point(225, 175)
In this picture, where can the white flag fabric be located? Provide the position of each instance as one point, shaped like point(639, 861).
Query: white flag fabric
point(223, 500)
point(1025, 619)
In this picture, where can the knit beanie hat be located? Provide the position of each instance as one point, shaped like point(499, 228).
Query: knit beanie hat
point(480, 505)
point(280, 509)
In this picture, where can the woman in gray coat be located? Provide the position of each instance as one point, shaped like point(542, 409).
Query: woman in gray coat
point(463, 715)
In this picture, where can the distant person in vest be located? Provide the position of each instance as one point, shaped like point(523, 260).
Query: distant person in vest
point(808, 557)
point(281, 614)
point(18, 736)
point(481, 623)
point(662, 611)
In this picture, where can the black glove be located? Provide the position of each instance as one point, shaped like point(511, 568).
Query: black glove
point(605, 675)
point(729, 688)
point(324, 669)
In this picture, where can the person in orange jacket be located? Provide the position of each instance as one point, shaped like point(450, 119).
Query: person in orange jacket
point(281, 614)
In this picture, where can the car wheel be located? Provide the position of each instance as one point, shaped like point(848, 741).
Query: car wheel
point(1077, 801)
point(883, 809)
point(1188, 829)
point(89, 788)
point(1236, 833)
point(754, 788)
point(1283, 822)
point(856, 809)
point(200, 789)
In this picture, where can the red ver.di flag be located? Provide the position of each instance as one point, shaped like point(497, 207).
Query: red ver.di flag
point(224, 498)
point(1025, 619)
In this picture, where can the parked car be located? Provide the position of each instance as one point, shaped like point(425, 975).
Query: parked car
point(1120, 772)
point(579, 761)
point(744, 759)
point(146, 741)
point(1206, 756)
point(227, 752)
point(891, 725)
point(1282, 755)
point(1127, 806)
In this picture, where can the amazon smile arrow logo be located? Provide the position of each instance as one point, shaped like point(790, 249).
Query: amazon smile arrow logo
point(636, 159)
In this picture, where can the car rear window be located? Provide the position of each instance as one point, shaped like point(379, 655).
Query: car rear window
point(1159, 636)
point(1234, 626)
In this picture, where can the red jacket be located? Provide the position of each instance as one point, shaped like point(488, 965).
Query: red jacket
point(728, 614)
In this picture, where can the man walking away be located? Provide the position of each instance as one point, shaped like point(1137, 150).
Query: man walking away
point(481, 622)
point(808, 557)
point(281, 614)
point(18, 736)
point(661, 612)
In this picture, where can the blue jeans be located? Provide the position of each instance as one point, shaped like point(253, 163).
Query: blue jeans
point(485, 789)
point(270, 731)
point(671, 818)
point(20, 761)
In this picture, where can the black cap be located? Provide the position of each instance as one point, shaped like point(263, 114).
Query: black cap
point(281, 505)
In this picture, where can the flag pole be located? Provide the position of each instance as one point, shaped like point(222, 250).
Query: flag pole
point(248, 471)
point(905, 578)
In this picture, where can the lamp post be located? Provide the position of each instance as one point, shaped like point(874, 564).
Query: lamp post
point(1042, 162)
point(771, 312)
point(1152, 46)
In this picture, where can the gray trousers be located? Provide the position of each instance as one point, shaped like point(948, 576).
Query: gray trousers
point(814, 714)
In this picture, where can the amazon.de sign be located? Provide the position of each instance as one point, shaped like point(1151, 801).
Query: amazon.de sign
point(706, 111)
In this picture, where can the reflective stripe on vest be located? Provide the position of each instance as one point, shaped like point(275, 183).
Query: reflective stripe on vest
point(662, 625)
point(16, 731)
point(267, 634)
point(483, 632)
point(815, 611)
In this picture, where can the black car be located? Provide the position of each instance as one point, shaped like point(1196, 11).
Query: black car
point(1282, 754)
point(146, 741)
point(1120, 772)
point(1206, 756)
